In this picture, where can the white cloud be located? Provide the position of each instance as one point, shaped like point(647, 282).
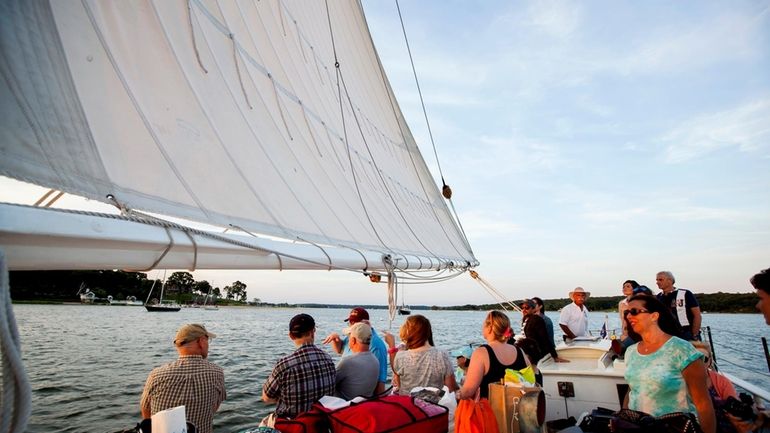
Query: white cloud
point(556, 18)
point(746, 127)
point(728, 36)
point(516, 153)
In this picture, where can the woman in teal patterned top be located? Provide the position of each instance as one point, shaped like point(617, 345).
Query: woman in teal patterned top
point(665, 373)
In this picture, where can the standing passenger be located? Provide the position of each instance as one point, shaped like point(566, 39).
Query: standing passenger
point(574, 317)
point(628, 291)
point(761, 283)
point(190, 381)
point(665, 374)
point(682, 304)
point(540, 309)
point(533, 327)
point(301, 378)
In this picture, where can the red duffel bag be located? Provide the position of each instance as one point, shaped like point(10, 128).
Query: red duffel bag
point(312, 421)
point(394, 413)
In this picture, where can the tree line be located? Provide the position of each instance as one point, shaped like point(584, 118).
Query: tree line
point(182, 287)
point(720, 302)
point(64, 286)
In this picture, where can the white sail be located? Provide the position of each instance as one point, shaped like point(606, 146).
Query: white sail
point(228, 113)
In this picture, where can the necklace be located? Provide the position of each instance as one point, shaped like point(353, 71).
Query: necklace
point(645, 347)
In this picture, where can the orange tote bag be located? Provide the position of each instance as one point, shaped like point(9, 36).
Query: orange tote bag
point(475, 416)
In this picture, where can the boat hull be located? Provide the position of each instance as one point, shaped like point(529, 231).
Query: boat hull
point(591, 379)
point(161, 308)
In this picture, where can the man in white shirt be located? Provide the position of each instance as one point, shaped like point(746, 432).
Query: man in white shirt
point(574, 317)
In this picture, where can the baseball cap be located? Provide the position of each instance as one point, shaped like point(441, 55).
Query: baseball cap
point(301, 324)
point(465, 352)
point(362, 332)
point(528, 302)
point(191, 332)
point(356, 315)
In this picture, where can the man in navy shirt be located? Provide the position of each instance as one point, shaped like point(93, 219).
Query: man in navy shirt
point(684, 307)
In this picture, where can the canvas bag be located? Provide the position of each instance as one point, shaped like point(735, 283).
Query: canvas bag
point(475, 416)
point(517, 408)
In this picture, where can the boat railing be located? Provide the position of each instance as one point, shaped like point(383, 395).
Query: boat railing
point(761, 396)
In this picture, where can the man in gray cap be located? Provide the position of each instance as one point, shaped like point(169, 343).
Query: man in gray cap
point(190, 381)
point(357, 373)
point(377, 346)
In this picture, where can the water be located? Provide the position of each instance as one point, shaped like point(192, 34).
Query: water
point(87, 364)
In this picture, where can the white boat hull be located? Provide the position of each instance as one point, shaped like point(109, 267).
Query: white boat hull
point(591, 379)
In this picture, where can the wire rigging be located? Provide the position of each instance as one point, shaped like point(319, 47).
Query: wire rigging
point(445, 189)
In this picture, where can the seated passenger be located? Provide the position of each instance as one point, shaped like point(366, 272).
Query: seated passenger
point(421, 364)
point(377, 346)
point(488, 365)
point(301, 378)
point(463, 357)
point(357, 373)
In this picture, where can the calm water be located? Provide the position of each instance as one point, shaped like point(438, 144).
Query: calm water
point(87, 364)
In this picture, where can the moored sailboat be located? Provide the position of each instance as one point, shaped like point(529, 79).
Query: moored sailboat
point(159, 305)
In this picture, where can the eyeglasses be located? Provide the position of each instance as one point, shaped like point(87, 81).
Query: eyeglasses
point(634, 311)
point(525, 307)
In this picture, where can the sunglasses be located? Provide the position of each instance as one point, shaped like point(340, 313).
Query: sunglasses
point(634, 311)
point(525, 307)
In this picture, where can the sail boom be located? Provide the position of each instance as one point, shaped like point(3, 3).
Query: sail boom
point(36, 238)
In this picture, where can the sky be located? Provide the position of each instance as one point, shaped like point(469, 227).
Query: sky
point(586, 143)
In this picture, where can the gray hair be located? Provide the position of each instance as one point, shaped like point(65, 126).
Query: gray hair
point(668, 275)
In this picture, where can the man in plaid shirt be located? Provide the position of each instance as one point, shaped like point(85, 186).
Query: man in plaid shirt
point(190, 381)
point(301, 378)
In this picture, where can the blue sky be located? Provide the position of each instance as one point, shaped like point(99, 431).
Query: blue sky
point(591, 142)
point(586, 143)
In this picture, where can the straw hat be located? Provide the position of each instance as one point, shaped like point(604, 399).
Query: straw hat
point(578, 290)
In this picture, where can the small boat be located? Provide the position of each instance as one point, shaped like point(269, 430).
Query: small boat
point(404, 311)
point(169, 306)
point(86, 295)
point(130, 301)
point(159, 305)
point(210, 306)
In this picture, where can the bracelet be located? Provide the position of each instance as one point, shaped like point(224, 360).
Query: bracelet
point(392, 350)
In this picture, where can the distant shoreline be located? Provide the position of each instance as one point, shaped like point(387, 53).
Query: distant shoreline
point(737, 308)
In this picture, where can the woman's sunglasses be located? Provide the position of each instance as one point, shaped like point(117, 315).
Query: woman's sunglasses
point(634, 311)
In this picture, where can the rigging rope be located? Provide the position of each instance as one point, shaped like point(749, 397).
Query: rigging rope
point(419, 91)
point(494, 292)
point(16, 398)
point(392, 289)
point(345, 131)
point(446, 191)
